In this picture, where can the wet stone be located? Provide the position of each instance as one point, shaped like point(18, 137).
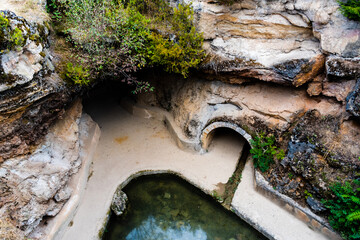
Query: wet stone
point(119, 202)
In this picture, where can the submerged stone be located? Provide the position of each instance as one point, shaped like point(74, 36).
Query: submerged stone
point(119, 202)
point(167, 195)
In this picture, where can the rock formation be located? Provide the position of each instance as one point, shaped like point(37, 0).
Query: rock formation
point(287, 68)
point(295, 43)
point(32, 98)
point(119, 202)
point(353, 101)
point(35, 186)
point(32, 95)
point(290, 68)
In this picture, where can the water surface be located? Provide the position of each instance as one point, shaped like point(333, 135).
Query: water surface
point(165, 207)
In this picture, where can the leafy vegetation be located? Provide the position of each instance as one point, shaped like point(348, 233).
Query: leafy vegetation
point(54, 7)
point(345, 208)
point(4, 22)
point(217, 196)
point(350, 9)
point(307, 194)
point(264, 151)
point(122, 36)
point(184, 53)
point(77, 74)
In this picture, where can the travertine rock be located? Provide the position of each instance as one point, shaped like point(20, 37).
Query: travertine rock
point(33, 11)
point(315, 89)
point(322, 149)
point(267, 35)
point(316, 86)
point(9, 231)
point(32, 95)
point(195, 103)
point(35, 185)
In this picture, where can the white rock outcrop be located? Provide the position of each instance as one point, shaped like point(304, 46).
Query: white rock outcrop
point(272, 32)
point(35, 186)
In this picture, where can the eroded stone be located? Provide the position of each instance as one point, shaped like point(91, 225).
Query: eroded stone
point(348, 68)
point(353, 100)
point(119, 202)
point(37, 182)
point(32, 95)
point(339, 90)
point(315, 88)
point(309, 71)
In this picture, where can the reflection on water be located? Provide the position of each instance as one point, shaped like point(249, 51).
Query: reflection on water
point(164, 207)
point(152, 229)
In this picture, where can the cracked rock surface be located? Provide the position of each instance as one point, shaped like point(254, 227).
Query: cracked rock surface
point(34, 186)
point(32, 95)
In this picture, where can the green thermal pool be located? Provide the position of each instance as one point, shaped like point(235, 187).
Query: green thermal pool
point(165, 207)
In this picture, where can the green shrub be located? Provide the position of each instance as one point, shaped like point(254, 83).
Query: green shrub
point(121, 36)
point(181, 55)
point(106, 36)
point(56, 8)
point(345, 209)
point(77, 74)
point(109, 39)
point(350, 9)
point(155, 9)
point(174, 42)
point(264, 151)
point(4, 22)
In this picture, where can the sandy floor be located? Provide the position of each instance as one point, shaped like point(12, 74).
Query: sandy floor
point(130, 144)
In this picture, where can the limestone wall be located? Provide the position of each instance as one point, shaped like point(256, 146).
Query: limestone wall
point(322, 124)
point(272, 32)
point(32, 95)
point(37, 186)
point(293, 42)
point(290, 68)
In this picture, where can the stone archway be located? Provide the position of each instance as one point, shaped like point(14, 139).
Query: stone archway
point(208, 133)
